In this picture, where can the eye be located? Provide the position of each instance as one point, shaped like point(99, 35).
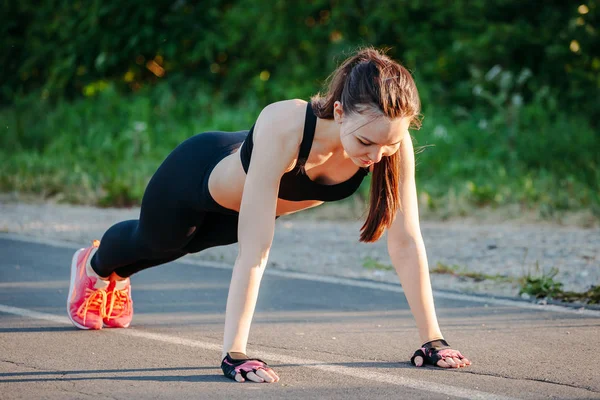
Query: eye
point(363, 143)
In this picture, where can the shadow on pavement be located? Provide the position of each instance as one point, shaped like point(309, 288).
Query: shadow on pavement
point(157, 378)
point(38, 329)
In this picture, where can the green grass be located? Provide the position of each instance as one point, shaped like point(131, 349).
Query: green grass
point(545, 285)
point(103, 149)
point(371, 263)
point(456, 270)
point(541, 284)
point(591, 296)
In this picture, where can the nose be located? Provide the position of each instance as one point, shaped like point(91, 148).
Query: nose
point(377, 154)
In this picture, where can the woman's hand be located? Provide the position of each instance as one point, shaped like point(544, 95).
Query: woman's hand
point(261, 376)
point(239, 367)
point(439, 353)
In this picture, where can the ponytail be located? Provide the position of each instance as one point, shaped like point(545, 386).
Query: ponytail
point(371, 78)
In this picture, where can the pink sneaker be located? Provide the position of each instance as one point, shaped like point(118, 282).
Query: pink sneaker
point(86, 304)
point(119, 306)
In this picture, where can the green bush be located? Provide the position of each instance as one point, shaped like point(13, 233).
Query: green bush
point(103, 149)
point(96, 94)
point(282, 49)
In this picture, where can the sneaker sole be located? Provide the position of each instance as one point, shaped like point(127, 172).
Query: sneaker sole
point(73, 275)
point(116, 327)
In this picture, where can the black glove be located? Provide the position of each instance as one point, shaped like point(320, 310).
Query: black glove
point(239, 363)
point(434, 351)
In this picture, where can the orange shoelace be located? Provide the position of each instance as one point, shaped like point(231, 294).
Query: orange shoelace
point(120, 303)
point(95, 300)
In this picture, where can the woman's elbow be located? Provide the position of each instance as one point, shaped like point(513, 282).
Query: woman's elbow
point(254, 258)
point(402, 242)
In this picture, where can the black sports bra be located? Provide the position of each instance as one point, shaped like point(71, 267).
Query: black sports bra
point(295, 185)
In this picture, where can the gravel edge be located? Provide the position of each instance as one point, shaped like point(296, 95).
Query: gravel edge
point(323, 247)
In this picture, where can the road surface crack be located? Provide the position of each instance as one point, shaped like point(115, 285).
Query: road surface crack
point(19, 364)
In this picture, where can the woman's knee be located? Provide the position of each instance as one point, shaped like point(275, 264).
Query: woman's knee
point(216, 230)
point(163, 242)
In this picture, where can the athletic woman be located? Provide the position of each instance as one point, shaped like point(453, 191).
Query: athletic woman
point(218, 188)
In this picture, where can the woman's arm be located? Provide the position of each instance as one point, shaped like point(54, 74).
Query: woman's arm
point(273, 152)
point(407, 250)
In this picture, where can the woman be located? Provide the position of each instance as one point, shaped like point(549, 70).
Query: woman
point(219, 188)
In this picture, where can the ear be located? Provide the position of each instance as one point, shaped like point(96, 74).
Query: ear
point(338, 112)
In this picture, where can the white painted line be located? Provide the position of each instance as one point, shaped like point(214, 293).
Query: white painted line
point(398, 289)
point(34, 314)
point(345, 281)
point(358, 373)
point(49, 242)
point(61, 284)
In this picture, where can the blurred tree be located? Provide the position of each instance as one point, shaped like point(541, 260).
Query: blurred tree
point(279, 49)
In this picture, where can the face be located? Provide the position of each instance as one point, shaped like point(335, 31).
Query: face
point(367, 140)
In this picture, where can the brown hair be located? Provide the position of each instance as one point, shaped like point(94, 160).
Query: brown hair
point(372, 79)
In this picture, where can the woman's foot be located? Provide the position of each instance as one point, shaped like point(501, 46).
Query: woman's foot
point(86, 304)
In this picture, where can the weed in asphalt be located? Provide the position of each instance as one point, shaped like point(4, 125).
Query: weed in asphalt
point(461, 272)
point(546, 286)
point(539, 284)
point(371, 263)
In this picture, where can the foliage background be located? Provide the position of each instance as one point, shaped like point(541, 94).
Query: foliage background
point(95, 94)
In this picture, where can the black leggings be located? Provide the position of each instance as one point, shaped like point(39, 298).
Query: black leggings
point(178, 215)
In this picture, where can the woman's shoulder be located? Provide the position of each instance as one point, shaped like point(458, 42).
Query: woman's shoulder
point(287, 115)
point(283, 118)
point(287, 105)
point(280, 128)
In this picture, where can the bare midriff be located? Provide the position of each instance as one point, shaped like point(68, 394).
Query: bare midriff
point(226, 185)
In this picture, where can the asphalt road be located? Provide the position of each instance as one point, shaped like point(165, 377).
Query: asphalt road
point(326, 339)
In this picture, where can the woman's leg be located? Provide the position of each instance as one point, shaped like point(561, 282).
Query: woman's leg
point(156, 238)
point(168, 216)
point(174, 207)
point(213, 229)
point(165, 227)
point(122, 251)
point(216, 230)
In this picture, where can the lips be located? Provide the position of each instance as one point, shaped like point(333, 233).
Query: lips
point(366, 162)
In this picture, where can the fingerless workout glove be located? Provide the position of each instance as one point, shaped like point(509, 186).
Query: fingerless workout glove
point(239, 363)
point(434, 351)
